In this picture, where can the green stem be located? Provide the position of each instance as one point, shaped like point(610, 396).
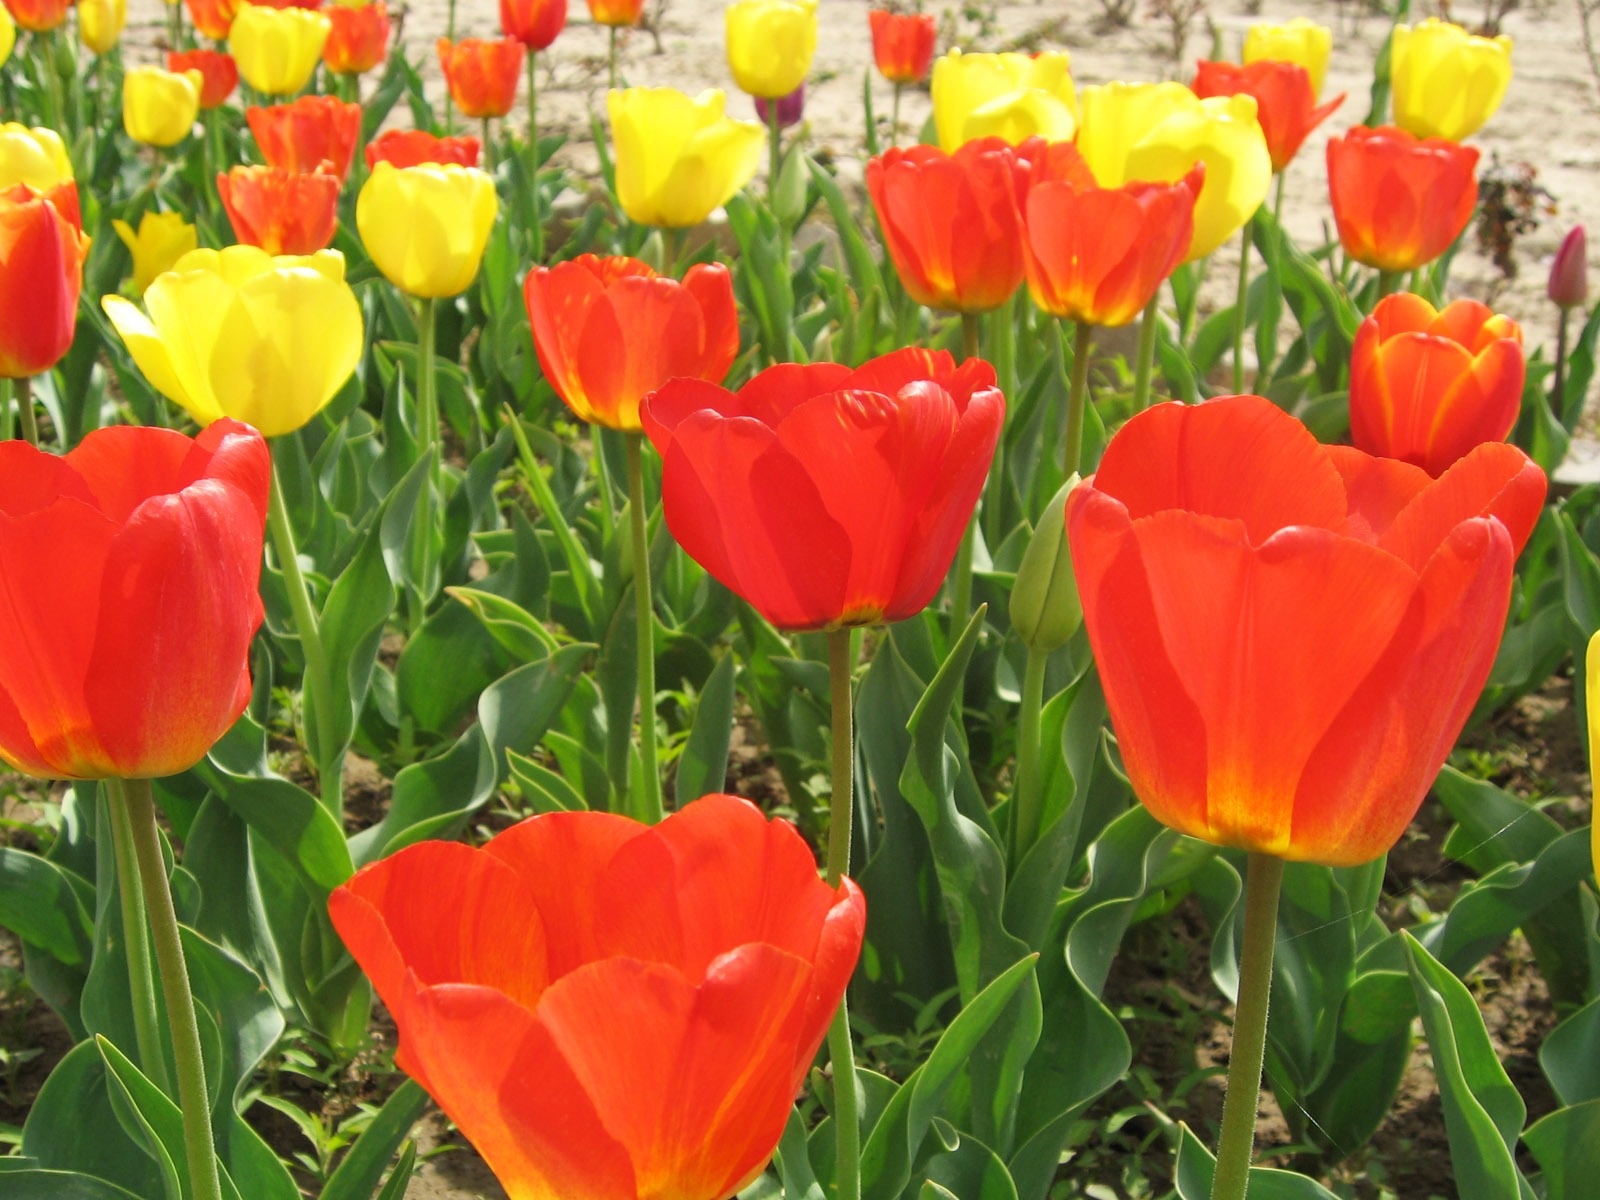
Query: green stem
point(611, 59)
point(175, 25)
point(846, 1119)
point(318, 682)
point(774, 155)
point(1558, 386)
point(1145, 355)
point(1277, 198)
point(894, 119)
point(1388, 283)
point(136, 935)
point(651, 791)
point(533, 158)
point(1241, 302)
point(1002, 345)
point(5, 409)
point(488, 148)
point(192, 1098)
point(428, 447)
point(961, 599)
point(30, 427)
point(1078, 397)
point(1263, 882)
point(1025, 800)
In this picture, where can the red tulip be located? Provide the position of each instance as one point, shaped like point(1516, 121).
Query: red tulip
point(1094, 254)
point(281, 211)
point(41, 275)
point(609, 331)
point(534, 23)
point(828, 497)
point(1426, 386)
point(413, 147)
point(482, 76)
point(214, 18)
point(302, 135)
point(218, 72)
point(128, 573)
point(1286, 105)
point(1399, 201)
point(358, 38)
point(621, 13)
point(39, 16)
point(1290, 635)
point(902, 44)
point(312, 4)
point(1568, 285)
point(952, 222)
point(607, 1008)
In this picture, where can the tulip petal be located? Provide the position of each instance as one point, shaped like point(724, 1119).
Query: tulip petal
point(1378, 490)
point(1492, 480)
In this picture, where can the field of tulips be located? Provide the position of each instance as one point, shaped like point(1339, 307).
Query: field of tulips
point(837, 638)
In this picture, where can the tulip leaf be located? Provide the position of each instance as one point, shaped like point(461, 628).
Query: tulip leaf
point(1580, 371)
point(971, 1171)
point(703, 765)
point(1569, 1054)
point(72, 1127)
point(1566, 1145)
point(518, 631)
point(46, 906)
point(544, 789)
point(863, 267)
point(35, 1184)
point(1482, 1111)
point(359, 1171)
point(1196, 1166)
point(793, 1163)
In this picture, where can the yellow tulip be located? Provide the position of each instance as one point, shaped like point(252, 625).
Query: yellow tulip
point(276, 49)
point(770, 44)
point(163, 239)
point(159, 108)
point(1299, 41)
point(8, 34)
point(678, 158)
point(1115, 116)
point(1447, 82)
point(1009, 96)
point(100, 23)
point(426, 227)
point(239, 333)
point(36, 157)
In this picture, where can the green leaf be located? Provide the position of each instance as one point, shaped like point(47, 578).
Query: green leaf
point(703, 765)
point(518, 631)
point(1196, 1165)
point(72, 1127)
point(357, 1175)
point(46, 905)
point(1570, 1053)
point(1566, 1144)
point(60, 1185)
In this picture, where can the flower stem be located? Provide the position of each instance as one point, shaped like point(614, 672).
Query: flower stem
point(1388, 283)
point(846, 1119)
point(894, 120)
point(961, 600)
point(24, 394)
point(533, 158)
point(1263, 881)
point(488, 148)
point(1025, 799)
point(318, 683)
point(1078, 397)
point(427, 447)
point(1145, 356)
point(1558, 386)
point(1241, 302)
point(651, 789)
point(192, 1098)
point(774, 155)
point(136, 937)
point(611, 59)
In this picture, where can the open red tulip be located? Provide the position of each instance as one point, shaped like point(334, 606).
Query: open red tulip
point(1399, 201)
point(283, 212)
point(303, 134)
point(1291, 635)
point(606, 1008)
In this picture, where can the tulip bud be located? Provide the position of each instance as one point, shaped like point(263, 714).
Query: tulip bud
point(1569, 273)
point(1045, 610)
point(790, 108)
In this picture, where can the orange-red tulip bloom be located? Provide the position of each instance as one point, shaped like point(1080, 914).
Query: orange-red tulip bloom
point(219, 74)
point(605, 1008)
point(482, 75)
point(128, 572)
point(413, 147)
point(41, 274)
point(609, 331)
point(214, 18)
point(1399, 201)
point(1286, 105)
point(281, 211)
point(534, 23)
point(40, 16)
point(302, 135)
point(1428, 385)
point(621, 13)
point(1095, 254)
point(828, 497)
point(902, 44)
point(358, 38)
point(952, 222)
point(1291, 635)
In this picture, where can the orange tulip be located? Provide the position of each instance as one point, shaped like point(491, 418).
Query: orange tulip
point(358, 38)
point(40, 16)
point(1399, 202)
point(304, 134)
point(213, 18)
point(1428, 385)
point(128, 573)
point(219, 74)
point(41, 275)
point(413, 147)
point(952, 222)
point(1290, 635)
point(1286, 106)
point(828, 497)
point(643, 1024)
point(902, 44)
point(1097, 255)
point(534, 23)
point(621, 13)
point(609, 331)
point(482, 76)
point(283, 212)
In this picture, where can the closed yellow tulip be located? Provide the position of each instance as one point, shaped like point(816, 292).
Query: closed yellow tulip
point(426, 227)
point(1009, 96)
point(162, 239)
point(679, 158)
point(1302, 42)
point(159, 108)
point(770, 44)
point(1446, 82)
point(100, 23)
point(276, 49)
point(36, 157)
point(1115, 116)
point(240, 333)
point(8, 34)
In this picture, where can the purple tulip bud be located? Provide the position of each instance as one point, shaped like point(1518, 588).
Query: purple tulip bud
point(790, 108)
point(1569, 274)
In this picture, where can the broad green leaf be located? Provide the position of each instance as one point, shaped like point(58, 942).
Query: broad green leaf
point(1196, 1165)
point(703, 765)
point(358, 1173)
point(1566, 1145)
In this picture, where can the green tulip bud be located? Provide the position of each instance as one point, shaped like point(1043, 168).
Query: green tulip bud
point(1044, 603)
